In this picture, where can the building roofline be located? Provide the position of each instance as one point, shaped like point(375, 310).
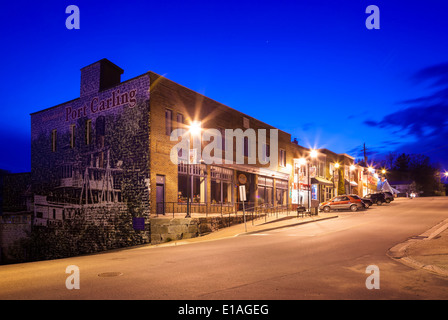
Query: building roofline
point(220, 103)
point(104, 60)
point(346, 155)
point(60, 104)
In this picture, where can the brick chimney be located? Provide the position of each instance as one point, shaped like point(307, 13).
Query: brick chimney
point(99, 76)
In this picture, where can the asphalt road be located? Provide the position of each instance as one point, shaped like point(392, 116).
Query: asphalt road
point(319, 260)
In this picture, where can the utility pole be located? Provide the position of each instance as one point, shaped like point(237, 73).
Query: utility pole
point(365, 156)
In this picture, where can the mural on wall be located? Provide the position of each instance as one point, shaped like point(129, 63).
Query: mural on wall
point(90, 169)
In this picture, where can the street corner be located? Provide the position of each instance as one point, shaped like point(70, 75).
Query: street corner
point(428, 251)
point(431, 253)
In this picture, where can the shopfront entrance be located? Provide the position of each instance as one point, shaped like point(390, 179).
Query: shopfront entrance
point(247, 179)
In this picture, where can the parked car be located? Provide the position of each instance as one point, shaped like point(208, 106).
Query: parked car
point(388, 196)
point(377, 198)
point(342, 202)
point(367, 202)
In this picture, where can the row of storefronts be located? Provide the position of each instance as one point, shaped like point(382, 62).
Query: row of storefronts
point(114, 144)
point(108, 161)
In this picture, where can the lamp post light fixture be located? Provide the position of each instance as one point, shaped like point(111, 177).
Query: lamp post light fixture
point(195, 130)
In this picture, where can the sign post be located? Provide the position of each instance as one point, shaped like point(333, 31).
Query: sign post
point(242, 189)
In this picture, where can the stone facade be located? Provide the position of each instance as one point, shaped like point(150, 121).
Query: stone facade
point(14, 227)
point(90, 163)
point(171, 229)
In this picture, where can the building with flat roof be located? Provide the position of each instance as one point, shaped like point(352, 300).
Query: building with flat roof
point(124, 152)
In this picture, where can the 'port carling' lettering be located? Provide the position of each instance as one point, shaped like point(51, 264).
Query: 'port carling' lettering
point(115, 100)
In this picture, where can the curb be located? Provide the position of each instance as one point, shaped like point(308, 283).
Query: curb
point(287, 226)
point(399, 251)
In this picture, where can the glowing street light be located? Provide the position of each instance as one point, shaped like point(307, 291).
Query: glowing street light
point(195, 130)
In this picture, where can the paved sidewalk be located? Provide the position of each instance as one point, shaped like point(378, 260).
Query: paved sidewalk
point(428, 251)
point(260, 225)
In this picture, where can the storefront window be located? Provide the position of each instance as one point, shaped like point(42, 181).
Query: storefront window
point(182, 188)
point(265, 190)
point(281, 189)
point(221, 185)
point(194, 185)
point(280, 196)
point(198, 189)
point(314, 191)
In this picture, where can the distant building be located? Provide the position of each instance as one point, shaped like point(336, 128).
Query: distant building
point(405, 188)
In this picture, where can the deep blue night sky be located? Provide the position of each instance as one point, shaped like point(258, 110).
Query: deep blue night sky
point(310, 68)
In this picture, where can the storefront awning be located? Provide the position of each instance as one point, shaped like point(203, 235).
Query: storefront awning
point(322, 181)
point(352, 183)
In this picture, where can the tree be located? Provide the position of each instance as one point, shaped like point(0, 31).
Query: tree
point(341, 182)
point(418, 168)
point(402, 162)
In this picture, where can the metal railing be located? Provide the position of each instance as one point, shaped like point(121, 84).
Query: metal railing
point(206, 208)
point(252, 210)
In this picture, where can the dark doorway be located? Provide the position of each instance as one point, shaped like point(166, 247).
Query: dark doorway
point(160, 194)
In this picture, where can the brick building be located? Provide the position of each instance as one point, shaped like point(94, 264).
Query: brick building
point(104, 161)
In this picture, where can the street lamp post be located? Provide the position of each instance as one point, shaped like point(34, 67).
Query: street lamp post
point(194, 130)
point(313, 155)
